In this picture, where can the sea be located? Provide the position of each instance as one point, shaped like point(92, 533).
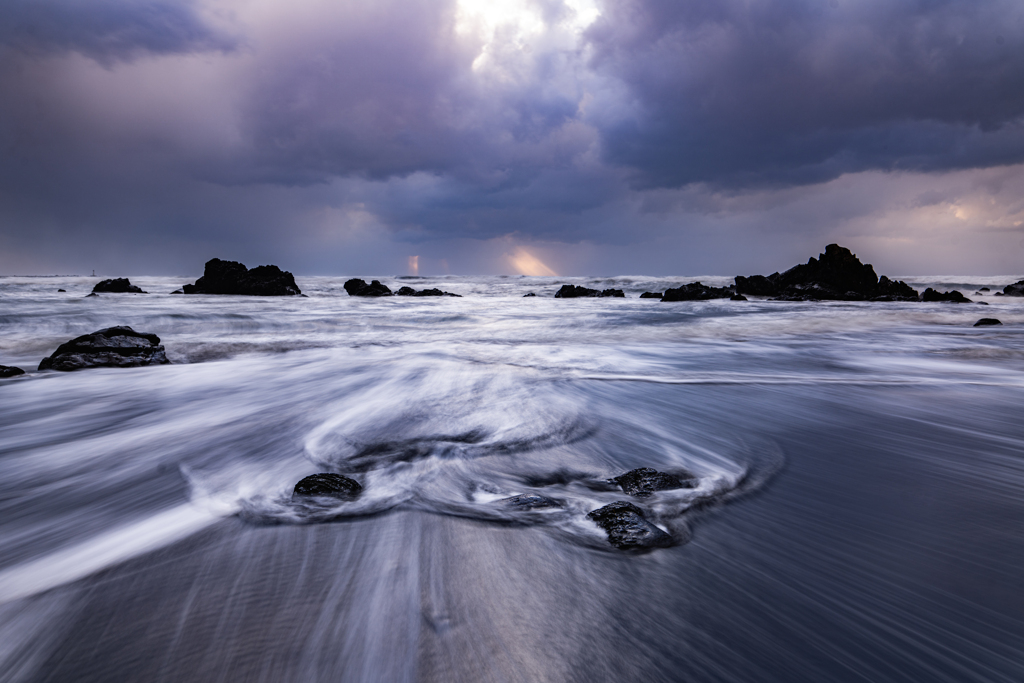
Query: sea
point(856, 514)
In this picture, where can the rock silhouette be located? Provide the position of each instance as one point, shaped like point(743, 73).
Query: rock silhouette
point(119, 285)
point(357, 287)
point(232, 277)
point(114, 347)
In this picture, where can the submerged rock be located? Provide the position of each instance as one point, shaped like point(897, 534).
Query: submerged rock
point(232, 277)
point(737, 297)
point(953, 296)
point(529, 501)
point(988, 321)
point(113, 347)
point(644, 481)
point(836, 275)
point(119, 285)
point(357, 287)
point(627, 528)
point(10, 371)
point(529, 294)
point(652, 295)
point(1016, 289)
point(575, 291)
point(328, 484)
point(409, 291)
point(695, 291)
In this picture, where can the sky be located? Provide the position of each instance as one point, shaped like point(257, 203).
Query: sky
point(540, 137)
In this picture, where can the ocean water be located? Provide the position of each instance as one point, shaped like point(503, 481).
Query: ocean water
point(858, 513)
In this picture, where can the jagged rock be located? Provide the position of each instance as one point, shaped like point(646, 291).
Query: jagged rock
point(613, 292)
point(328, 484)
point(231, 277)
point(357, 287)
point(119, 285)
point(627, 528)
point(409, 291)
point(984, 322)
point(1016, 289)
point(530, 294)
point(652, 295)
point(644, 481)
point(695, 291)
point(575, 291)
point(952, 296)
point(529, 501)
point(737, 297)
point(10, 371)
point(836, 275)
point(115, 347)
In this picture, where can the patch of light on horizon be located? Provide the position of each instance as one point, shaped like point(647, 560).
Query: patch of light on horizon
point(414, 265)
point(526, 263)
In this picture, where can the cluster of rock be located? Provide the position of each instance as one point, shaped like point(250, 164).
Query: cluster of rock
point(357, 287)
point(1016, 289)
point(576, 292)
point(116, 347)
point(119, 285)
point(232, 277)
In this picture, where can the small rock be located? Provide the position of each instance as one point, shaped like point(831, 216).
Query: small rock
point(737, 297)
point(10, 371)
point(530, 294)
point(62, 290)
point(644, 481)
point(953, 296)
point(695, 291)
point(652, 295)
point(90, 294)
point(1000, 294)
point(113, 347)
point(357, 287)
point(627, 528)
point(984, 289)
point(409, 291)
point(529, 501)
point(178, 291)
point(119, 285)
point(988, 321)
point(328, 484)
point(575, 292)
point(613, 292)
point(232, 277)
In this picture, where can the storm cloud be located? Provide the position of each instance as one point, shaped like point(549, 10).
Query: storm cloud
point(640, 135)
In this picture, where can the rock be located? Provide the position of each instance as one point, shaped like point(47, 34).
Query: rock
point(114, 347)
point(328, 484)
point(695, 291)
point(737, 297)
point(1016, 289)
point(836, 275)
point(644, 481)
point(90, 294)
point(613, 292)
point(62, 290)
point(627, 528)
point(119, 285)
point(178, 291)
point(984, 322)
point(357, 287)
point(10, 371)
point(231, 277)
point(1000, 294)
point(984, 289)
point(952, 297)
point(409, 291)
point(529, 501)
point(530, 294)
point(652, 295)
point(574, 292)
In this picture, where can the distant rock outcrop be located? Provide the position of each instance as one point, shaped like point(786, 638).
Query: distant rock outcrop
point(1016, 289)
point(357, 287)
point(409, 291)
point(119, 285)
point(10, 371)
point(232, 277)
point(695, 291)
point(985, 322)
point(652, 295)
point(836, 275)
point(329, 485)
point(114, 347)
point(627, 528)
point(953, 296)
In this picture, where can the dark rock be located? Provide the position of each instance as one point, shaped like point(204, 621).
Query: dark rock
point(530, 294)
point(983, 303)
point(357, 287)
point(119, 285)
point(652, 295)
point(1016, 289)
point(984, 289)
point(984, 322)
point(737, 297)
point(10, 371)
point(627, 528)
point(409, 291)
point(529, 501)
point(231, 277)
point(614, 293)
point(328, 484)
point(574, 292)
point(695, 291)
point(1000, 294)
point(90, 294)
point(952, 297)
point(178, 291)
point(114, 347)
point(836, 275)
point(644, 481)
point(62, 290)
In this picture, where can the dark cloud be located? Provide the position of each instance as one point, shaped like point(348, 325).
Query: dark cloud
point(793, 91)
point(108, 30)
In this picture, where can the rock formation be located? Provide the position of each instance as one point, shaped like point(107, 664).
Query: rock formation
point(627, 528)
point(953, 296)
point(119, 285)
point(695, 291)
point(10, 371)
point(114, 347)
point(231, 277)
point(357, 287)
